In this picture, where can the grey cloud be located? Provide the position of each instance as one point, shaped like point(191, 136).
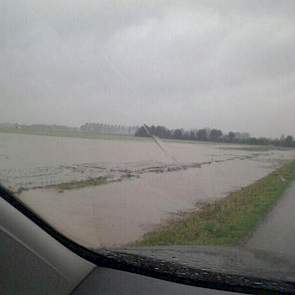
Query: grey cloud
point(178, 63)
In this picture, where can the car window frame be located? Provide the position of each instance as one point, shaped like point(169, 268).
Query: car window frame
point(153, 267)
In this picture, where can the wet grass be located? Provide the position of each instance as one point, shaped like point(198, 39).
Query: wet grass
point(61, 187)
point(65, 186)
point(255, 148)
point(229, 221)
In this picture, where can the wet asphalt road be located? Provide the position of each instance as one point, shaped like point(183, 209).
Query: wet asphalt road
point(277, 232)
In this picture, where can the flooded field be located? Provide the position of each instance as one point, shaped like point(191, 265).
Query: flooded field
point(141, 186)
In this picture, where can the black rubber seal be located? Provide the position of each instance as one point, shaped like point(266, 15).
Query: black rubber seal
point(169, 271)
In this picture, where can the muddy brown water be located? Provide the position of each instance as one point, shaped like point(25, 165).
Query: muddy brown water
point(149, 187)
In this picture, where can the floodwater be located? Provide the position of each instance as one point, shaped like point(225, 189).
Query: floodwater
point(145, 186)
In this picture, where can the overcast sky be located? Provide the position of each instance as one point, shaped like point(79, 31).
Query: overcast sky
point(191, 64)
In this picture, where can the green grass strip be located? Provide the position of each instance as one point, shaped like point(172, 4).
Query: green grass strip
point(228, 221)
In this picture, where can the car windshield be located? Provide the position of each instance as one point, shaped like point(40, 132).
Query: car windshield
point(159, 128)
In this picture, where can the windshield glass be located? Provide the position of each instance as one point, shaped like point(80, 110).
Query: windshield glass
point(161, 128)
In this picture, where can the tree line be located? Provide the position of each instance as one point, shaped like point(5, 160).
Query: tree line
point(214, 135)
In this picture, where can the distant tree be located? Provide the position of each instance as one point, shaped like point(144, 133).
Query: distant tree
point(289, 141)
point(153, 130)
point(162, 132)
point(178, 133)
point(262, 141)
point(192, 135)
point(252, 140)
point(186, 135)
point(202, 134)
point(276, 142)
point(141, 132)
point(231, 136)
point(215, 134)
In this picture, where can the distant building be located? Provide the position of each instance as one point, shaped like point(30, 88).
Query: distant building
point(39, 127)
point(101, 128)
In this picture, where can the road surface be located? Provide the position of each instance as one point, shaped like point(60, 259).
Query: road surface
point(277, 232)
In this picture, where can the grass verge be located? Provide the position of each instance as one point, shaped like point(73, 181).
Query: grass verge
point(228, 221)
